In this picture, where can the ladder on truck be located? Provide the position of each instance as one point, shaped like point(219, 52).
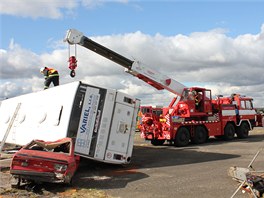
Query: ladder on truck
point(9, 127)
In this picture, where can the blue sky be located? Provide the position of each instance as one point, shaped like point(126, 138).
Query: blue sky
point(150, 17)
point(198, 42)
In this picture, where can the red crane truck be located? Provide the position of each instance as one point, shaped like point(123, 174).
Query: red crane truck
point(192, 115)
point(148, 113)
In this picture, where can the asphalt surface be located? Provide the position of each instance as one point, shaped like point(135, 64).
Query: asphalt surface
point(198, 171)
point(167, 171)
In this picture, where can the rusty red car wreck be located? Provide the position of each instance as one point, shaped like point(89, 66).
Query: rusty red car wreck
point(41, 161)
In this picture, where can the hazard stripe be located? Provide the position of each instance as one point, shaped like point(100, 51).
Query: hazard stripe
point(199, 122)
point(203, 122)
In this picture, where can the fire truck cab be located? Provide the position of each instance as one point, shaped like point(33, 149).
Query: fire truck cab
point(195, 102)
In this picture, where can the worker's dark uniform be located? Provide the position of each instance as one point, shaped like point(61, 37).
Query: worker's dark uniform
point(51, 75)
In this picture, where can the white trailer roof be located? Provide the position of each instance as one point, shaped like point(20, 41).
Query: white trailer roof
point(43, 115)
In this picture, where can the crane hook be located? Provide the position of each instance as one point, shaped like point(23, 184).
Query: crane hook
point(72, 63)
point(72, 74)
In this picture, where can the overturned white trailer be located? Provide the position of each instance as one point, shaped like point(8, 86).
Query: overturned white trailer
point(103, 121)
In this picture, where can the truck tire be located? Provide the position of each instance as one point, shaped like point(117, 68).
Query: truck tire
point(182, 137)
point(200, 135)
point(156, 142)
point(229, 131)
point(243, 130)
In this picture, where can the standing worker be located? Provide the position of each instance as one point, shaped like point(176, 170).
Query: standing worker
point(51, 75)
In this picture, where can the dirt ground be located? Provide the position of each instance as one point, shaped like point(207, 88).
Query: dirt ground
point(156, 171)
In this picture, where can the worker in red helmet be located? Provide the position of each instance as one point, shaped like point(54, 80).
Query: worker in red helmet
point(51, 75)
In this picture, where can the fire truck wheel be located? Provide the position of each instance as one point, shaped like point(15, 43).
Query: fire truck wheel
point(229, 131)
point(156, 142)
point(182, 137)
point(243, 130)
point(200, 135)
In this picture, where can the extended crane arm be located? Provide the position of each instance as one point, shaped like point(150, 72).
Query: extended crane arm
point(150, 76)
point(75, 37)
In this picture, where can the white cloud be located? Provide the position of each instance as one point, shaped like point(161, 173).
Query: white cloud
point(208, 59)
point(54, 9)
point(36, 8)
point(18, 62)
point(96, 3)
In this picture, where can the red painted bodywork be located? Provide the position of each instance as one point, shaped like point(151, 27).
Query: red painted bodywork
point(197, 116)
point(42, 161)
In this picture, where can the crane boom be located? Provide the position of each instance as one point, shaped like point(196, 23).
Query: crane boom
point(135, 68)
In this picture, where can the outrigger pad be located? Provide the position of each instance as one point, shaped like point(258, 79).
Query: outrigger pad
point(238, 173)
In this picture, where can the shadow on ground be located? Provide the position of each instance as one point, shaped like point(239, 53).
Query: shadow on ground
point(93, 174)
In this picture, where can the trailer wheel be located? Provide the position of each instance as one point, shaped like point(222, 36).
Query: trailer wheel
point(243, 130)
point(156, 142)
point(182, 137)
point(229, 131)
point(200, 135)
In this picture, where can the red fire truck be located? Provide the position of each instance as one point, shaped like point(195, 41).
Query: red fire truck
point(148, 113)
point(192, 115)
